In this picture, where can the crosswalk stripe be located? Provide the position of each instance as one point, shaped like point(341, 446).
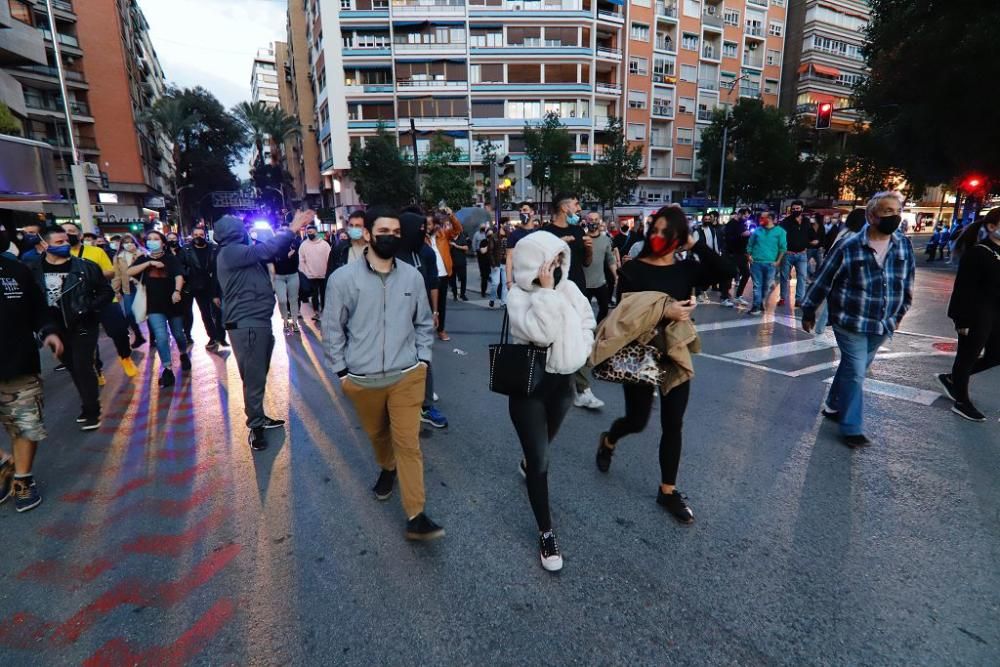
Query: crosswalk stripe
point(767, 352)
point(901, 391)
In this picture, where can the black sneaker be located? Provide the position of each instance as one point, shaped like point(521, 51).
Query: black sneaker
point(604, 453)
point(674, 502)
point(832, 415)
point(91, 423)
point(491, 303)
point(273, 423)
point(548, 550)
point(464, 298)
point(26, 495)
point(383, 485)
point(60, 367)
point(185, 362)
point(82, 418)
point(421, 528)
point(138, 342)
point(755, 311)
point(167, 378)
point(211, 345)
point(6, 479)
point(968, 411)
point(257, 440)
point(857, 441)
point(944, 379)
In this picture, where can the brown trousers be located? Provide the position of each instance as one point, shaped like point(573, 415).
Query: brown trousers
point(391, 418)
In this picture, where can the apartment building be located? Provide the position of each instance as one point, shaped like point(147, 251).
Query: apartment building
point(480, 69)
point(112, 77)
point(264, 88)
point(298, 99)
point(823, 61)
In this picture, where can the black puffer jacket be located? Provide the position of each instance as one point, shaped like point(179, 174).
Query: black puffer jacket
point(85, 292)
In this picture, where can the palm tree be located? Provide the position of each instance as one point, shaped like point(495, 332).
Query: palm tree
point(172, 119)
point(253, 116)
point(280, 127)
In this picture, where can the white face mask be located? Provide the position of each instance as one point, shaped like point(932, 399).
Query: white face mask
point(995, 234)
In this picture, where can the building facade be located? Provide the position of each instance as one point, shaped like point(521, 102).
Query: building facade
point(824, 60)
point(302, 149)
point(478, 70)
point(264, 88)
point(112, 78)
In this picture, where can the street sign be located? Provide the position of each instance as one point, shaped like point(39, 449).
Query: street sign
point(233, 200)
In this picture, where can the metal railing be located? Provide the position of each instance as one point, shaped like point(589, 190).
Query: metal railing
point(665, 44)
point(612, 88)
point(711, 19)
point(754, 31)
point(660, 141)
point(661, 172)
point(663, 110)
point(433, 46)
point(85, 143)
point(68, 40)
point(51, 71)
point(609, 52)
point(50, 104)
point(708, 84)
point(705, 114)
point(64, 5)
point(753, 62)
point(708, 51)
point(430, 83)
point(428, 7)
point(667, 9)
point(611, 16)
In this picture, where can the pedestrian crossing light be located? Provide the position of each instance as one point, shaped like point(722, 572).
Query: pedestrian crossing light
point(505, 184)
point(824, 115)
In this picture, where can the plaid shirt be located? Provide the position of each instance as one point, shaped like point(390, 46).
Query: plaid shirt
point(863, 297)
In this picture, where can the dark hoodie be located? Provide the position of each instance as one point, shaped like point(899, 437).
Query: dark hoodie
point(414, 249)
point(244, 282)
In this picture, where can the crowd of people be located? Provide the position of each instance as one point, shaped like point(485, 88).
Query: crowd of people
point(583, 288)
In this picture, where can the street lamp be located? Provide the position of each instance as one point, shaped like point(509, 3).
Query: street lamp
point(725, 141)
point(177, 203)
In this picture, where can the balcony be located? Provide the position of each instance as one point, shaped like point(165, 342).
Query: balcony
point(658, 140)
point(407, 152)
point(706, 115)
point(665, 44)
point(608, 88)
point(659, 172)
point(427, 7)
point(708, 84)
point(711, 20)
point(50, 104)
point(43, 70)
point(417, 47)
point(709, 51)
point(754, 30)
point(609, 52)
point(429, 83)
point(666, 78)
point(663, 110)
point(66, 40)
point(750, 61)
point(614, 17)
point(63, 5)
point(83, 143)
point(749, 91)
point(666, 10)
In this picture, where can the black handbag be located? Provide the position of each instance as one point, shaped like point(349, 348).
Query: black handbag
point(515, 369)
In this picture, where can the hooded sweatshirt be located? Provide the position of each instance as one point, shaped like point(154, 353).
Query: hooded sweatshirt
point(244, 282)
point(561, 318)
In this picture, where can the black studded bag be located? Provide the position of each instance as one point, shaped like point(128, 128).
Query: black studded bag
point(515, 369)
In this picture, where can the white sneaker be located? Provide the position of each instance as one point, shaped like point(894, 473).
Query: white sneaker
point(743, 302)
point(704, 298)
point(729, 303)
point(586, 399)
point(548, 550)
point(435, 397)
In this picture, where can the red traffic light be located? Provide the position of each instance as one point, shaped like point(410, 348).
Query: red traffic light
point(824, 115)
point(973, 182)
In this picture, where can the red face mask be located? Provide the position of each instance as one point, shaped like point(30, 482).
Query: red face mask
point(661, 247)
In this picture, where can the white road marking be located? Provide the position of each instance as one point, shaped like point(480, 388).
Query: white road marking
point(747, 364)
point(814, 369)
point(901, 391)
point(726, 324)
point(768, 352)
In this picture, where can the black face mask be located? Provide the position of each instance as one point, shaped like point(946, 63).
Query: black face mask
point(312, 237)
point(524, 218)
point(386, 245)
point(557, 275)
point(74, 240)
point(198, 241)
point(888, 224)
point(173, 244)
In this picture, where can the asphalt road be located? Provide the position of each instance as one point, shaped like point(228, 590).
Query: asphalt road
point(163, 540)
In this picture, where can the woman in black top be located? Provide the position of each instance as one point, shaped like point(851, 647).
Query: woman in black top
point(163, 278)
point(975, 309)
point(658, 269)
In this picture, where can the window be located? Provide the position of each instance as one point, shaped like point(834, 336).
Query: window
point(642, 3)
point(689, 73)
point(524, 110)
point(692, 8)
point(636, 132)
point(324, 115)
point(346, 5)
point(689, 42)
point(640, 32)
point(685, 136)
point(483, 39)
point(729, 49)
point(754, 25)
point(731, 17)
point(487, 109)
point(778, 3)
point(686, 105)
point(827, 15)
point(850, 80)
point(638, 66)
point(637, 99)
point(776, 29)
point(682, 166)
point(562, 109)
point(770, 87)
point(20, 10)
point(486, 73)
point(837, 47)
point(565, 73)
point(524, 73)
point(662, 68)
point(773, 57)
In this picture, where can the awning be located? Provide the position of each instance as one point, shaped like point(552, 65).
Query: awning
point(826, 71)
point(351, 66)
point(620, 3)
point(803, 68)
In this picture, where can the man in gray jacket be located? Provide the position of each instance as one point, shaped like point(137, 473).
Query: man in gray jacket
point(247, 308)
point(377, 332)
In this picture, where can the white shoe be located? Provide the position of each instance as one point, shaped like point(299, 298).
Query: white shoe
point(548, 550)
point(704, 298)
point(729, 303)
point(586, 399)
point(743, 302)
point(435, 397)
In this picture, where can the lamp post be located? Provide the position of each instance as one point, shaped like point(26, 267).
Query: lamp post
point(177, 203)
point(725, 142)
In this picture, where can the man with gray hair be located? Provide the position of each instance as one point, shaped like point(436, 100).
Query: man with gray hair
point(867, 282)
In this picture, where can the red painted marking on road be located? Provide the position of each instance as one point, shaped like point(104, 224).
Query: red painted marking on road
point(945, 346)
point(79, 496)
point(187, 646)
point(174, 454)
point(143, 593)
point(185, 476)
point(173, 545)
point(60, 574)
point(137, 483)
point(23, 631)
point(88, 495)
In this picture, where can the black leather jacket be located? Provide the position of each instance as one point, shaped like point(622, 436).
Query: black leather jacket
point(85, 292)
point(199, 278)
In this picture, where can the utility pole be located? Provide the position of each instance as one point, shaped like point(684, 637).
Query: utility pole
point(416, 161)
point(81, 192)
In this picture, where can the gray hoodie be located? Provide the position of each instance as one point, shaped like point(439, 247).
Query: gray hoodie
point(374, 328)
point(244, 282)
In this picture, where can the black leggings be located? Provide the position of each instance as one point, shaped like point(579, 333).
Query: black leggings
point(982, 336)
point(603, 296)
point(638, 404)
point(537, 419)
point(318, 294)
point(458, 278)
point(744, 275)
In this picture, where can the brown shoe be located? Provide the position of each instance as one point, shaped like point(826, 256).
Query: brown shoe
point(443, 335)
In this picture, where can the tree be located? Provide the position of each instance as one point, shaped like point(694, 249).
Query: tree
point(928, 94)
point(8, 121)
point(280, 127)
point(762, 158)
point(254, 117)
point(550, 149)
point(614, 177)
point(381, 175)
point(443, 180)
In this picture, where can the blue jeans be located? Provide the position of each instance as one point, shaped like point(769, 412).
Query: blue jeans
point(498, 281)
point(800, 262)
point(158, 324)
point(815, 256)
point(763, 280)
point(126, 302)
point(857, 351)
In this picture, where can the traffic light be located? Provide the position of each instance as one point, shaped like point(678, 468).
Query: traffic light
point(972, 183)
point(824, 115)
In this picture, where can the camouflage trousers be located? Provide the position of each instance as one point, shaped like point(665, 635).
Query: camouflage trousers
point(21, 407)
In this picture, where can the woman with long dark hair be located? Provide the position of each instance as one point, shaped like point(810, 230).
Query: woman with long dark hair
point(658, 269)
point(975, 309)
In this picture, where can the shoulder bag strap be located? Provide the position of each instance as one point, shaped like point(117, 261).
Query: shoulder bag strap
point(505, 328)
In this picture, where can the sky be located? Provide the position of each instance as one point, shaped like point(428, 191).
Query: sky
point(212, 43)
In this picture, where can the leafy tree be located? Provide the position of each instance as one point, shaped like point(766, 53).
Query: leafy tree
point(614, 177)
point(254, 117)
point(443, 180)
point(928, 93)
point(550, 149)
point(280, 127)
point(8, 121)
point(762, 158)
point(490, 154)
point(382, 176)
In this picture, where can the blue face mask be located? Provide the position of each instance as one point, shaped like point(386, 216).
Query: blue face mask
point(58, 250)
point(573, 219)
point(355, 233)
point(31, 240)
point(153, 246)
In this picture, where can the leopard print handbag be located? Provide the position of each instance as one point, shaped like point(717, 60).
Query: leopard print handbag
point(633, 364)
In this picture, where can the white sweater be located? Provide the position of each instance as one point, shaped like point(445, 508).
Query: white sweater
point(561, 318)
